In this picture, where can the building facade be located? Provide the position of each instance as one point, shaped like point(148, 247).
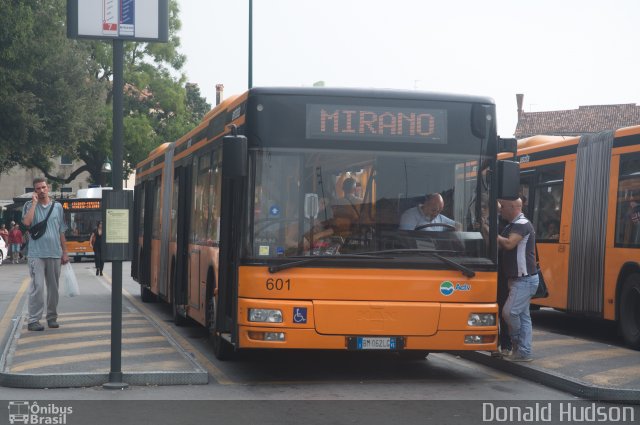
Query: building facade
point(575, 122)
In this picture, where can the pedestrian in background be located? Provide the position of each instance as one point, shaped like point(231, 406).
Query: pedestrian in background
point(96, 244)
point(46, 254)
point(519, 266)
point(15, 242)
point(4, 233)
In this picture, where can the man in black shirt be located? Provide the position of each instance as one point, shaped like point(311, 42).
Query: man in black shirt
point(519, 266)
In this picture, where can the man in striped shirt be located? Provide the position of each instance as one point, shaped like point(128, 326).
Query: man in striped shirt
point(518, 241)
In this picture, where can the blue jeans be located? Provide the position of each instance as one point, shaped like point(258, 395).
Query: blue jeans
point(516, 313)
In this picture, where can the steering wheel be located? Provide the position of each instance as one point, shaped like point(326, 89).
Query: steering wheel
point(448, 227)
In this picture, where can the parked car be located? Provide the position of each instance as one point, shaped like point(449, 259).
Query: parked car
point(4, 250)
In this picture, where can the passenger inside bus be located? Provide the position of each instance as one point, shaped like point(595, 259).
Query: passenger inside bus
point(631, 224)
point(549, 217)
point(346, 209)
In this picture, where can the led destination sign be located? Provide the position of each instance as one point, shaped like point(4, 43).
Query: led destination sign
point(81, 205)
point(342, 122)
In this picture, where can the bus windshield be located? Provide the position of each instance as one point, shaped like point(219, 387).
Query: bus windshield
point(337, 202)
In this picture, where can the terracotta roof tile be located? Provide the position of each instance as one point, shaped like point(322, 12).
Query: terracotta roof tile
point(574, 122)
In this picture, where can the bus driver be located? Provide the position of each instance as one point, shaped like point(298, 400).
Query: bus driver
point(426, 213)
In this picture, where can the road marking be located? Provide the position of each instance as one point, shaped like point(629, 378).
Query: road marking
point(75, 345)
point(56, 336)
point(557, 362)
point(614, 377)
point(558, 343)
point(62, 360)
point(216, 373)
point(12, 309)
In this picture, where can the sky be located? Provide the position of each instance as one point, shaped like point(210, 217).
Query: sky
point(559, 53)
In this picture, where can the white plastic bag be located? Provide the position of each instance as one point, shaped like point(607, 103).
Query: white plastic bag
point(68, 281)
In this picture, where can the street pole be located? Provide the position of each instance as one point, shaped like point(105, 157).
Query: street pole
point(115, 375)
point(250, 43)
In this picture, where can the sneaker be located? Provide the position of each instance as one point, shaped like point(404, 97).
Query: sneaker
point(520, 358)
point(52, 323)
point(35, 326)
point(506, 352)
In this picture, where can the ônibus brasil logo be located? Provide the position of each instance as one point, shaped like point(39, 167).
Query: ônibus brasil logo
point(447, 288)
point(31, 413)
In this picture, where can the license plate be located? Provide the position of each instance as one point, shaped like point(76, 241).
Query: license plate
point(376, 343)
point(391, 343)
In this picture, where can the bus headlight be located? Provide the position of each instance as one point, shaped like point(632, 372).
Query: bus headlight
point(481, 319)
point(266, 336)
point(265, 315)
point(479, 339)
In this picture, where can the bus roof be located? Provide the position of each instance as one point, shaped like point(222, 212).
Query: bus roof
point(544, 142)
point(370, 93)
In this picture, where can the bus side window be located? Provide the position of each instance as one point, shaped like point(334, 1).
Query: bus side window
point(628, 208)
point(548, 202)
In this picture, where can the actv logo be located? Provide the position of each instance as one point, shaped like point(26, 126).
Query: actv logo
point(447, 288)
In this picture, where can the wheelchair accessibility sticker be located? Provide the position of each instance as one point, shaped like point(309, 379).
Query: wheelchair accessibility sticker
point(299, 314)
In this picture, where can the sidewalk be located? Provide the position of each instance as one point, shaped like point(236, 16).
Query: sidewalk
point(587, 369)
point(78, 354)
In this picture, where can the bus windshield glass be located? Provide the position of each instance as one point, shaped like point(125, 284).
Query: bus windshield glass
point(335, 202)
point(81, 217)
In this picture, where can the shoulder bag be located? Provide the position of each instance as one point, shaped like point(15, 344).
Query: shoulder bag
point(542, 291)
point(37, 230)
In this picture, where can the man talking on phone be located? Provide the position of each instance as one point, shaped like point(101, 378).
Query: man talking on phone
point(46, 254)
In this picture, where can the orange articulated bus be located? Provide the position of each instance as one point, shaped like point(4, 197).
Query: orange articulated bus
point(583, 196)
point(275, 222)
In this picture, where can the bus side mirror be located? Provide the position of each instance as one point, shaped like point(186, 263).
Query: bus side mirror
point(507, 145)
point(508, 179)
point(481, 120)
point(234, 156)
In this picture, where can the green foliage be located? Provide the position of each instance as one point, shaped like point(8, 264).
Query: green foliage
point(56, 94)
point(46, 100)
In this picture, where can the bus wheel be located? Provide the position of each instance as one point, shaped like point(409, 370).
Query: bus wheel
point(77, 259)
point(179, 317)
point(630, 310)
point(146, 295)
point(221, 348)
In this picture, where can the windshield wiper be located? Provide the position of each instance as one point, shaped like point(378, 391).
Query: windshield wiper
point(308, 259)
point(464, 269)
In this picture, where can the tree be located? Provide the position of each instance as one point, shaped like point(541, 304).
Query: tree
point(158, 107)
point(56, 93)
point(47, 102)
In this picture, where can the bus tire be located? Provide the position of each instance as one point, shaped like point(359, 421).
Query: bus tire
point(630, 310)
point(146, 295)
point(77, 259)
point(179, 319)
point(221, 348)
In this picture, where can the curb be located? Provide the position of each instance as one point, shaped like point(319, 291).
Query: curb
point(554, 380)
point(198, 376)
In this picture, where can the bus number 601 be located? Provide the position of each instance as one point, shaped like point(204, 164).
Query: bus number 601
point(278, 284)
